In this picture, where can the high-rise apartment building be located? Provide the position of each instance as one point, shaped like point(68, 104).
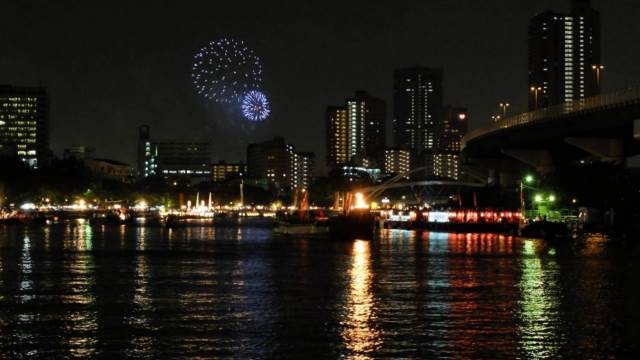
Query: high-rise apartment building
point(356, 132)
point(336, 135)
point(417, 107)
point(452, 128)
point(302, 170)
point(397, 161)
point(564, 56)
point(277, 162)
point(444, 160)
point(24, 124)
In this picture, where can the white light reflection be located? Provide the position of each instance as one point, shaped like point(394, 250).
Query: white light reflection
point(26, 284)
point(539, 330)
point(141, 344)
point(360, 335)
point(77, 293)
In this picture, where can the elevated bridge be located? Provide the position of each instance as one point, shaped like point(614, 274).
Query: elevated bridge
point(604, 127)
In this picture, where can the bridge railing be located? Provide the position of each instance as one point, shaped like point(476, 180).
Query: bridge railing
point(555, 111)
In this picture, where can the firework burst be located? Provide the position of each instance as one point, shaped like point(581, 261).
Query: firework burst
point(255, 106)
point(224, 70)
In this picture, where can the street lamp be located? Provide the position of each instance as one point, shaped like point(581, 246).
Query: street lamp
point(597, 68)
point(504, 107)
point(528, 179)
point(535, 90)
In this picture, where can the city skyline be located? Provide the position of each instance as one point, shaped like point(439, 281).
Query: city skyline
point(82, 95)
point(331, 179)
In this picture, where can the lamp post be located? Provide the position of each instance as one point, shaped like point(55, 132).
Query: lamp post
point(597, 68)
point(241, 190)
point(535, 90)
point(503, 107)
point(528, 179)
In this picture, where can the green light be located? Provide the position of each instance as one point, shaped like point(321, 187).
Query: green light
point(537, 198)
point(528, 179)
point(552, 198)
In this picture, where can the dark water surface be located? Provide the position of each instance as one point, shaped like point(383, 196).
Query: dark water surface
point(112, 292)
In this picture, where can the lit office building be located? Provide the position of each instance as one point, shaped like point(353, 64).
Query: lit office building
point(564, 56)
point(397, 161)
point(173, 159)
point(356, 132)
point(24, 124)
point(224, 171)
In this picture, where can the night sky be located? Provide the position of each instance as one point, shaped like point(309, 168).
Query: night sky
point(110, 66)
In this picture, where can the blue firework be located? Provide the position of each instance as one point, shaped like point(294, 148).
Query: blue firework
point(255, 106)
point(225, 69)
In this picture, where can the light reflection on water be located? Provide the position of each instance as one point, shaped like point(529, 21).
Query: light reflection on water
point(360, 335)
point(540, 332)
point(118, 291)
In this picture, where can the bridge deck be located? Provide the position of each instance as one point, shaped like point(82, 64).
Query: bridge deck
point(594, 103)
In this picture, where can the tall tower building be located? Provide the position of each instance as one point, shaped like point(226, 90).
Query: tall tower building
point(356, 133)
point(564, 55)
point(336, 136)
point(417, 106)
point(366, 126)
point(24, 124)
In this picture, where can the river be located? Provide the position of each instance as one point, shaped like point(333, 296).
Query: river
point(76, 290)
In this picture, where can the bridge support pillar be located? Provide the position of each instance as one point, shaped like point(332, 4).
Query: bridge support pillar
point(604, 149)
point(541, 160)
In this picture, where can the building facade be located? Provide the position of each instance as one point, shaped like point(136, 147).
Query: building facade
point(223, 171)
point(356, 132)
point(443, 165)
point(452, 128)
point(302, 170)
point(417, 107)
point(397, 161)
point(564, 56)
point(173, 159)
point(109, 169)
point(276, 162)
point(79, 152)
point(24, 124)
point(336, 135)
point(444, 161)
point(270, 161)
